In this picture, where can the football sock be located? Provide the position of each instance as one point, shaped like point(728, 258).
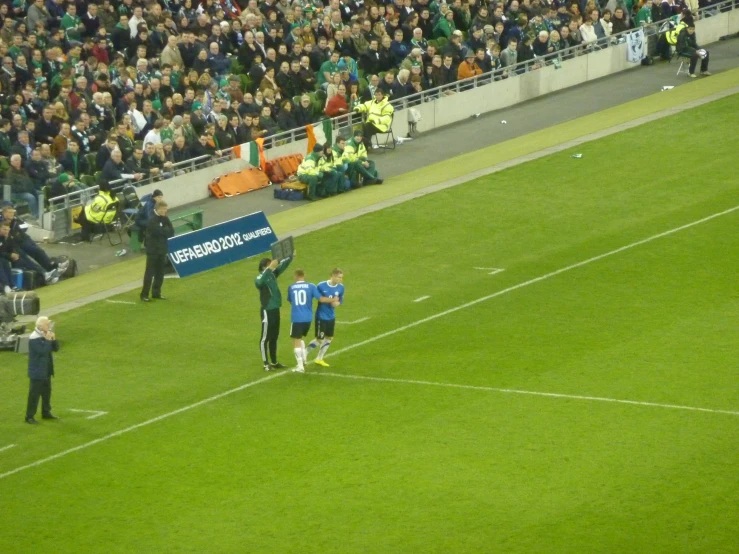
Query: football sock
point(304, 351)
point(299, 357)
point(313, 344)
point(323, 349)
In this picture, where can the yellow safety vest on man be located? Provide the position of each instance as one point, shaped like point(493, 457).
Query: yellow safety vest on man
point(355, 151)
point(98, 210)
point(671, 36)
point(339, 157)
point(380, 114)
point(309, 166)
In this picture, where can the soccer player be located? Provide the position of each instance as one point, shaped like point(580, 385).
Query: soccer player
point(301, 295)
point(270, 300)
point(333, 290)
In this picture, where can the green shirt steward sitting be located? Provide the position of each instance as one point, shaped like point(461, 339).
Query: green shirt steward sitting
point(355, 155)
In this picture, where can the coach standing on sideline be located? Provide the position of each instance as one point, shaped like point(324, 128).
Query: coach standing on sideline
point(41, 344)
point(270, 300)
point(158, 230)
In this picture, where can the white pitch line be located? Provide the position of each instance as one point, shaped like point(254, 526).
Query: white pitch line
point(534, 280)
point(422, 298)
point(360, 320)
point(120, 302)
point(96, 413)
point(528, 392)
point(7, 447)
point(368, 341)
point(139, 425)
point(494, 269)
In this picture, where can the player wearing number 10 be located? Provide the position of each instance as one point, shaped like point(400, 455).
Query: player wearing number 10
point(301, 295)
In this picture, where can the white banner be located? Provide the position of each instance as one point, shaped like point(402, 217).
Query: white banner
point(637, 46)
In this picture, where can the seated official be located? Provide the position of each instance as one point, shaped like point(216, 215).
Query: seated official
point(310, 174)
point(687, 46)
point(379, 114)
point(361, 170)
point(102, 210)
point(341, 164)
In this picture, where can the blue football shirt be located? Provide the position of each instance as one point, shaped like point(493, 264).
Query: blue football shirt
point(301, 296)
point(326, 312)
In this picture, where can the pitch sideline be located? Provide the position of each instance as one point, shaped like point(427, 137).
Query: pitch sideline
point(376, 338)
point(528, 392)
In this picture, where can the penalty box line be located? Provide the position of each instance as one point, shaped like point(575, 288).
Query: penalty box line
point(527, 392)
point(365, 342)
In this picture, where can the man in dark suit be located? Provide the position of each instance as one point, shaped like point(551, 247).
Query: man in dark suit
point(158, 230)
point(41, 344)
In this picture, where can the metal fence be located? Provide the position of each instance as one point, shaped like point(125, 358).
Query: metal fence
point(59, 214)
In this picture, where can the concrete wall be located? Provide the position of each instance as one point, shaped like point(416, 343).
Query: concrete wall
point(192, 187)
point(459, 106)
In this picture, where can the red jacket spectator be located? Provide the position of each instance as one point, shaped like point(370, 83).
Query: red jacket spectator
point(337, 105)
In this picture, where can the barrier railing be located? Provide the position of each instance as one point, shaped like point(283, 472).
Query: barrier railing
point(59, 214)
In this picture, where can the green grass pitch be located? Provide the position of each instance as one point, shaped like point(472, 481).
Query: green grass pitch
point(327, 463)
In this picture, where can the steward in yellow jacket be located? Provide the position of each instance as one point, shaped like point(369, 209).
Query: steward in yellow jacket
point(355, 155)
point(102, 210)
point(312, 172)
point(379, 114)
point(667, 41)
point(333, 176)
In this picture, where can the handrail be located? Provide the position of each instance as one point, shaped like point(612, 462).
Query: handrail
point(513, 70)
point(117, 184)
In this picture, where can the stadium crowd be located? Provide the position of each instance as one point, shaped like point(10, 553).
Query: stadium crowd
point(128, 88)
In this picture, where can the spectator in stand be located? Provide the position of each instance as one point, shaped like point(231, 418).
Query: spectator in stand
point(135, 164)
point(223, 139)
point(62, 139)
point(541, 45)
point(154, 136)
point(74, 163)
point(304, 111)
point(21, 185)
point(38, 170)
point(115, 170)
point(65, 184)
point(445, 25)
point(285, 118)
point(402, 87)
point(337, 105)
point(509, 56)
point(448, 71)
point(468, 68)
point(151, 161)
point(103, 154)
point(644, 15)
point(180, 150)
point(22, 147)
point(619, 21)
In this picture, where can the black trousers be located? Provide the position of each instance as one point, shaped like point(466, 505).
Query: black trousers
point(270, 334)
point(39, 388)
point(370, 131)
point(694, 61)
point(154, 274)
